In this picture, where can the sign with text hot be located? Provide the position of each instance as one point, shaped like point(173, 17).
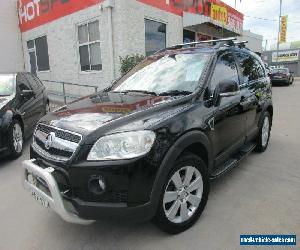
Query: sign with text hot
point(215, 9)
point(33, 13)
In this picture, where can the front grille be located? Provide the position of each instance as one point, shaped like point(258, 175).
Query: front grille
point(118, 196)
point(62, 134)
point(53, 151)
point(63, 144)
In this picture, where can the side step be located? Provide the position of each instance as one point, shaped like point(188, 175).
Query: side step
point(233, 161)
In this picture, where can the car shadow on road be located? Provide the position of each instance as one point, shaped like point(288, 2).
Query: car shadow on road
point(6, 160)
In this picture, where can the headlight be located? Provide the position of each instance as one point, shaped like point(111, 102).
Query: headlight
point(125, 145)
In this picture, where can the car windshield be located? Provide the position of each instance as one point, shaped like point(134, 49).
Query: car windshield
point(280, 71)
point(7, 85)
point(170, 74)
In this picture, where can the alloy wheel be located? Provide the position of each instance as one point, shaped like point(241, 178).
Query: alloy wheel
point(265, 131)
point(17, 138)
point(183, 194)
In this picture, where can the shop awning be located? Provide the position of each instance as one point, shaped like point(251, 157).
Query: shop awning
point(207, 25)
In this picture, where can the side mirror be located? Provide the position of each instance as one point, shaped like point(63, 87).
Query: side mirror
point(26, 93)
point(227, 88)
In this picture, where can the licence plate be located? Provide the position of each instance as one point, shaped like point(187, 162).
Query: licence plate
point(40, 199)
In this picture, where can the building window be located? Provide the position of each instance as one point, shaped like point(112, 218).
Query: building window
point(89, 46)
point(38, 54)
point(155, 36)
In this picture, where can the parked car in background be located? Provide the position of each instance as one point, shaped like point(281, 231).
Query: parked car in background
point(148, 146)
point(282, 75)
point(23, 101)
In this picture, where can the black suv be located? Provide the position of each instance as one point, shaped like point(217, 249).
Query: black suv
point(148, 146)
point(23, 101)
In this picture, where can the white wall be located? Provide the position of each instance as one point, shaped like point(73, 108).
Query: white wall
point(254, 40)
point(128, 38)
point(11, 55)
point(63, 51)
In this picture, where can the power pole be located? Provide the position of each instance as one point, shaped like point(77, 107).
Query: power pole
point(280, 7)
point(266, 44)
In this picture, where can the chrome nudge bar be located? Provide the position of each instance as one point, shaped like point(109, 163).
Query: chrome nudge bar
point(54, 197)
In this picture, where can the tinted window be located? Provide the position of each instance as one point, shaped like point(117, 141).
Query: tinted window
point(42, 53)
point(38, 54)
point(250, 67)
point(280, 71)
point(155, 36)
point(22, 83)
point(33, 82)
point(226, 69)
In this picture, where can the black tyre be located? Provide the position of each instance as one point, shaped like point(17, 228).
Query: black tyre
point(264, 133)
point(15, 139)
point(184, 196)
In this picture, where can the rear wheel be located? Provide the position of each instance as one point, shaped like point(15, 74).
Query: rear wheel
point(264, 133)
point(16, 139)
point(184, 195)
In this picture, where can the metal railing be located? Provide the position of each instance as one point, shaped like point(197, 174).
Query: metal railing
point(64, 94)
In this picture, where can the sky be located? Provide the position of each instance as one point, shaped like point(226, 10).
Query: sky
point(269, 9)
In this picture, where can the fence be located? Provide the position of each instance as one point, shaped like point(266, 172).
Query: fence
point(63, 92)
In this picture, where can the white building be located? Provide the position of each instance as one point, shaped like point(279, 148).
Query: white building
point(11, 55)
point(255, 41)
point(80, 41)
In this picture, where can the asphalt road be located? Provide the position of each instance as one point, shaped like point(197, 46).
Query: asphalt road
point(261, 196)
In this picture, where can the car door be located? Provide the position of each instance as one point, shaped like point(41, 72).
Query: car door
point(39, 100)
point(229, 120)
point(253, 90)
point(24, 103)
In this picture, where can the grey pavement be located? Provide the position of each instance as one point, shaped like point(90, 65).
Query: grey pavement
point(260, 196)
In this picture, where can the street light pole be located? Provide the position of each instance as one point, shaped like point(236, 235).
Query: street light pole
point(279, 30)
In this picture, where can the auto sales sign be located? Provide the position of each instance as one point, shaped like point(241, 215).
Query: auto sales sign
point(285, 56)
point(33, 13)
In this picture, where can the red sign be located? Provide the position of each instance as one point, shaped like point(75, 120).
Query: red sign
point(33, 13)
point(202, 7)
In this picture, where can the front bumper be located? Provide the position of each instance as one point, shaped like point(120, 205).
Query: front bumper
point(54, 197)
point(72, 208)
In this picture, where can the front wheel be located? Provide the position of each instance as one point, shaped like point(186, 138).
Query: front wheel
point(264, 133)
point(184, 196)
point(16, 139)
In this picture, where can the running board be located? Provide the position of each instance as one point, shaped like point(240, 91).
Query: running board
point(233, 161)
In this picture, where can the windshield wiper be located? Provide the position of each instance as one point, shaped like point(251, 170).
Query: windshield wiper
point(138, 91)
point(175, 92)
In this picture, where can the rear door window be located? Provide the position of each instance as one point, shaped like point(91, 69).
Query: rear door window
point(34, 83)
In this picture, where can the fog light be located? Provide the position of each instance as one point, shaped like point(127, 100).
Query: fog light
point(97, 185)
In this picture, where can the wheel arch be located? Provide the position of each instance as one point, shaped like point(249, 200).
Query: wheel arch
point(194, 141)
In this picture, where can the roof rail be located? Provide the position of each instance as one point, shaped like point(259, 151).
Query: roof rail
point(219, 42)
point(241, 44)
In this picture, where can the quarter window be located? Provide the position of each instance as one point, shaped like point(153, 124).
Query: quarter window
point(89, 46)
point(155, 36)
point(38, 54)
